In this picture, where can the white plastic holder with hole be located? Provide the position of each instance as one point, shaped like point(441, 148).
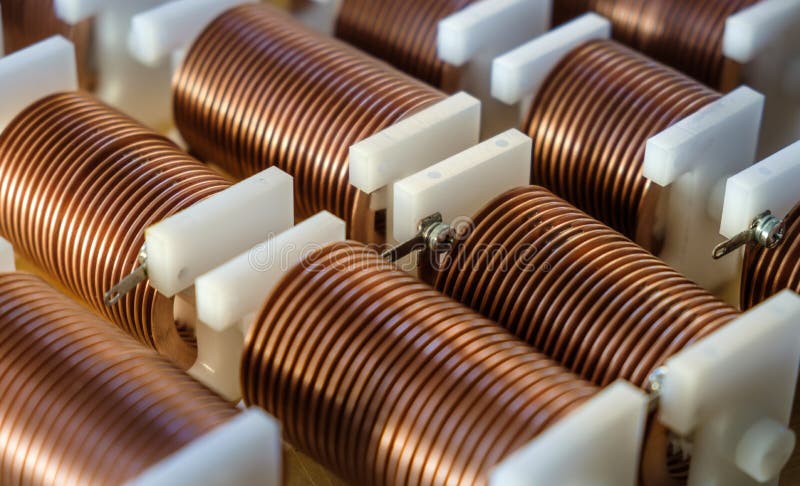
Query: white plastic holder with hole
point(693, 158)
point(245, 451)
point(731, 393)
point(599, 444)
point(7, 261)
point(229, 296)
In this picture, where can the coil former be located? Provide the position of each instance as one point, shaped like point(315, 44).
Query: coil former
point(257, 89)
point(83, 403)
point(79, 184)
point(386, 381)
point(686, 35)
point(26, 22)
point(766, 272)
point(590, 123)
point(401, 33)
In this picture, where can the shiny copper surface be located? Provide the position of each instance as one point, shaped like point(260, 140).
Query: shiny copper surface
point(401, 33)
point(26, 22)
point(83, 403)
point(685, 34)
point(79, 184)
point(258, 89)
point(388, 382)
point(590, 123)
point(766, 272)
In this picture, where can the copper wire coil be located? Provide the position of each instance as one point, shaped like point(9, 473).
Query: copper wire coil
point(82, 402)
point(401, 33)
point(686, 35)
point(590, 123)
point(79, 184)
point(386, 381)
point(766, 272)
point(26, 22)
point(257, 89)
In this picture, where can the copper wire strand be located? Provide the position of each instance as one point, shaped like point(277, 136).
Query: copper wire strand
point(686, 35)
point(82, 402)
point(26, 22)
point(388, 382)
point(590, 123)
point(765, 272)
point(79, 184)
point(257, 89)
point(401, 33)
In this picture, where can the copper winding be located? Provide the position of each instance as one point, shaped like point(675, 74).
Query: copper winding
point(386, 381)
point(27, 22)
point(258, 89)
point(590, 123)
point(686, 35)
point(401, 33)
point(82, 402)
point(766, 272)
point(79, 184)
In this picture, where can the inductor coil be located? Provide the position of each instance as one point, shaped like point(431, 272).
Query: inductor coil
point(258, 89)
point(388, 382)
point(590, 123)
point(79, 184)
point(83, 403)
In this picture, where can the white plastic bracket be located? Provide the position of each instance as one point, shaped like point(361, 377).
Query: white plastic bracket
point(597, 444)
point(732, 394)
point(195, 240)
point(460, 185)
point(246, 450)
point(7, 264)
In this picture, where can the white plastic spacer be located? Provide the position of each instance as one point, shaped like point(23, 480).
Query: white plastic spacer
point(195, 240)
point(7, 263)
point(749, 31)
point(598, 444)
point(73, 11)
point(732, 392)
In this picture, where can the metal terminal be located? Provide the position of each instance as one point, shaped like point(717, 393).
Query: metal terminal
point(432, 235)
point(655, 385)
point(766, 230)
point(130, 282)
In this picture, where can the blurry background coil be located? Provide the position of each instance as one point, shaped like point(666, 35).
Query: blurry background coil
point(686, 35)
point(590, 123)
point(388, 382)
point(766, 272)
point(26, 22)
point(401, 33)
point(79, 184)
point(258, 89)
point(83, 403)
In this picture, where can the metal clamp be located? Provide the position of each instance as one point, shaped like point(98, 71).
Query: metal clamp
point(130, 282)
point(432, 235)
point(766, 230)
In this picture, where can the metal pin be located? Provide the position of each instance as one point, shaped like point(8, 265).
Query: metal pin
point(433, 235)
point(128, 283)
point(766, 230)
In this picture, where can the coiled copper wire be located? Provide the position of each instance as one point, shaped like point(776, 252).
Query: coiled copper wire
point(27, 22)
point(590, 123)
point(686, 35)
point(388, 382)
point(79, 184)
point(766, 272)
point(81, 402)
point(401, 33)
point(258, 89)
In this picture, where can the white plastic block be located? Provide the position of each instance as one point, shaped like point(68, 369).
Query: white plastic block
point(155, 34)
point(598, 444)
point(487, 23)
point(751, 30)
point(246, 451)
point(772, 184)
point(460, 185)
point(732, 392)
point(415, 142)
point(7, 263)
point(188, 244)
point(30, 74)
point(237, 288)
point(219, 359)
point(521, 72)
point(73, 11)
